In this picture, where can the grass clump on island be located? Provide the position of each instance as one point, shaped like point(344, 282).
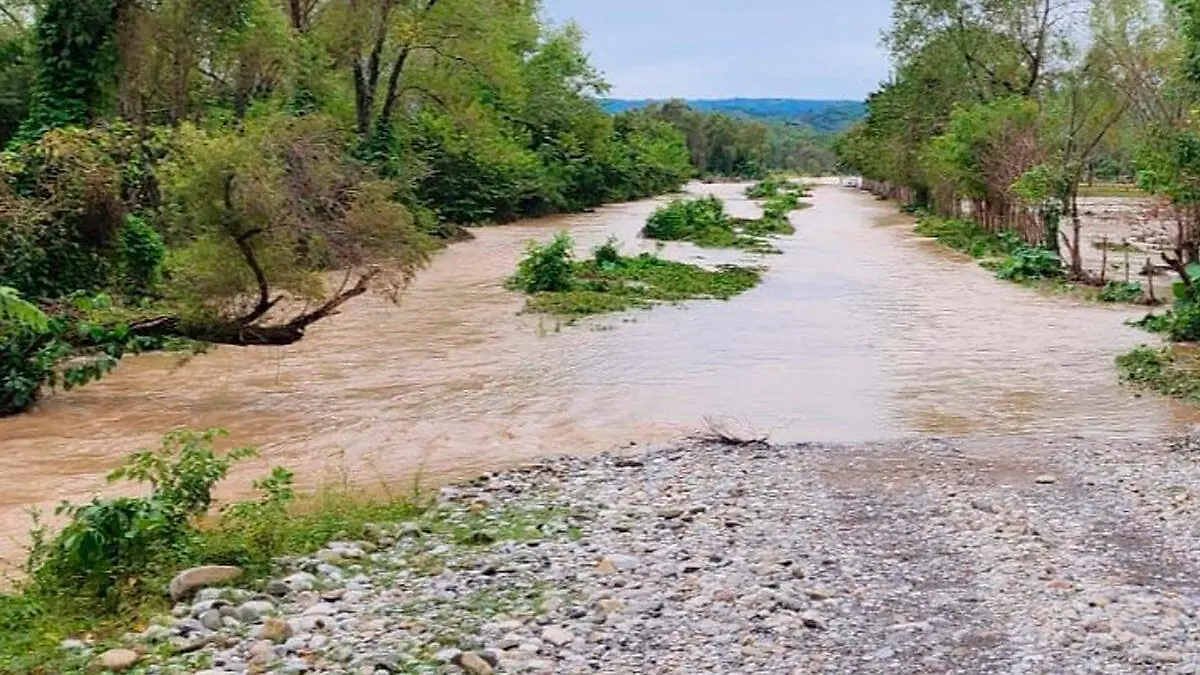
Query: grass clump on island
point(607, 281)
point(104, 574)
point(703, 222)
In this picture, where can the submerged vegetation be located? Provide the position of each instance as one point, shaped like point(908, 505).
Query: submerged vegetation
point(1004, 253)
point(610, 282)
point(1171, 371)
point(703, 222)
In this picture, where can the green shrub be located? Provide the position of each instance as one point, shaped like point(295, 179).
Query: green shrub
point(27, 352)
point(1027, 263)
point(34, 348)
point(142, 255)
point(1162, 370)
point(546, 267)
point(765, 188)
point(780, 206)
point(1183, 324)
point(608, 253)
point(260, 522)
point(1121, 291)
point(111, 548)
point(962, 235)
point(688, 220)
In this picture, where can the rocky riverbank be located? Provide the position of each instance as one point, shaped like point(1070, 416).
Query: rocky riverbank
point(1003, 555)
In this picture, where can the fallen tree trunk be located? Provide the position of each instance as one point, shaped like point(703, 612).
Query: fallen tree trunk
point(235, 332)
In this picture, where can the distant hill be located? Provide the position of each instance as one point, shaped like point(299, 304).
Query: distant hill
point(823, 116)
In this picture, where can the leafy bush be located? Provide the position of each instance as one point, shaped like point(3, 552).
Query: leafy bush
point(546, 268)
point(609, 282)
point(27, 354)
point(1027, 263)
point(34, 348)
point(1183, 322)
point(765, 188)
point(608, 253)
point(142, 256)
point(1165, 370)
point(259, 522)
point(111, 548)
point(1121, 291)
point(962, 235)
point(688, 220)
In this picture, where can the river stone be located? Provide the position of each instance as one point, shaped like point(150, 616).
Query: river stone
point(273, 629)
point(254, 611)
point(211, 619)
point(189, 581)
point(557, 636)
point(261, 651)
point(300, 581)
point(320, 609)
point(117, 660)
point(474, 664)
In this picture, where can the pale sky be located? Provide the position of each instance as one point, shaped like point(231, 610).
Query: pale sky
point(724, 48)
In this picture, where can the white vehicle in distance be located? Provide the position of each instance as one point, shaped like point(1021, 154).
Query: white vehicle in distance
point(851, 181)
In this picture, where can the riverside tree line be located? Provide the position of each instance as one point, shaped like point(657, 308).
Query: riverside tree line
point(999, 110)
point(235, 170)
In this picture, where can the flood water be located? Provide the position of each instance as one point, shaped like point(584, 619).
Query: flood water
point(860, 331)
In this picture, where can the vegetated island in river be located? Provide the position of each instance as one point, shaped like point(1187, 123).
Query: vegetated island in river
point(608, 281)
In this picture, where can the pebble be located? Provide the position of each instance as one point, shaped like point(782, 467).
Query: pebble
point(474, 664)
point(117, 660)
point(557, 636)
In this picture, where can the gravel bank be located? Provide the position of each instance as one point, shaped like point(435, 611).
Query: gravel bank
point(1000, 556)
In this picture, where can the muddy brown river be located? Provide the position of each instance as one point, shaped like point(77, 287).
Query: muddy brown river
point(860, 331)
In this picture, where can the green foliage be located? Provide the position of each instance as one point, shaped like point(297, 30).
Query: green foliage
point(1010, 257)
point(142, 255)
point(688, 220)
point(1179, 324)
point(765, 188)
point(546, 268)
point(77, 56)
point(703, 222)
point(1189, 18)
point(37, 351)
point(1167, 371)
point(962, 235)
point(1121, 292)
point(608, 253)
point(1026, 263)
point(260, 523)
point(111, 548)
point(603, 284)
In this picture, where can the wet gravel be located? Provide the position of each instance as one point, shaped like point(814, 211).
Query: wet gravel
point(984, 556)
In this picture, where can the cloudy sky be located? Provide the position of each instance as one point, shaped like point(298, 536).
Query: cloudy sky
point(722, 48)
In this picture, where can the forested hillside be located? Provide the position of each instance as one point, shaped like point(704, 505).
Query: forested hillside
point(738, 145)
point(826, 117)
